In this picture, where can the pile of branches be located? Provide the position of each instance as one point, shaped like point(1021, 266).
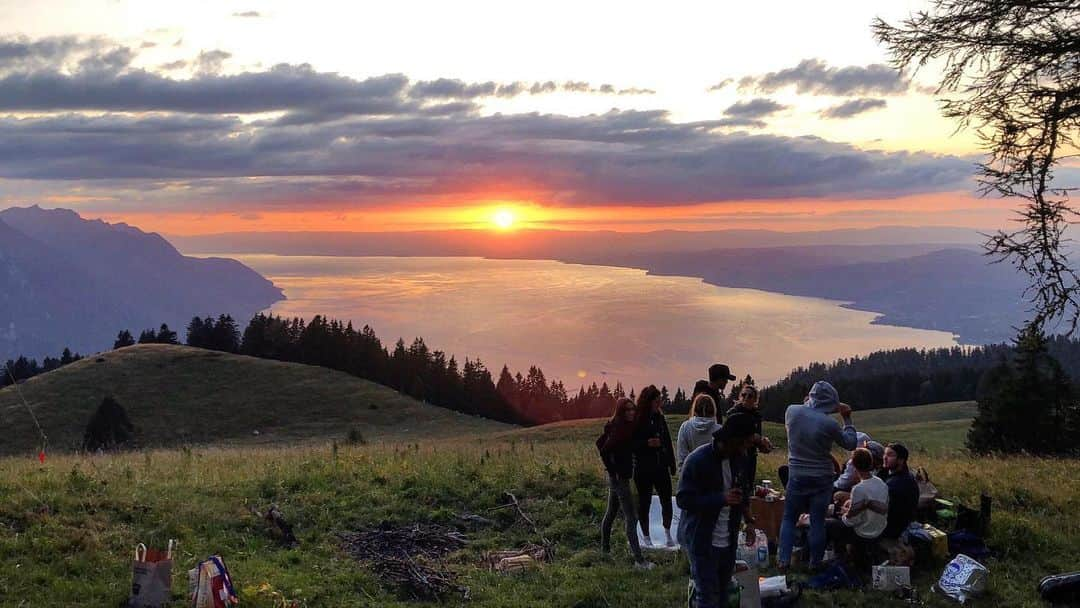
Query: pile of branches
point(408, 557)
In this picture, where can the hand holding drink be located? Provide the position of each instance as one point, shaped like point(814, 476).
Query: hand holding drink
point(734, 497)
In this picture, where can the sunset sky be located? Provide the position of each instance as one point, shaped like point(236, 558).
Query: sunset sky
point(218, 116)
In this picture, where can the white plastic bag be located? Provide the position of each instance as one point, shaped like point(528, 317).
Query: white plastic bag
point(890, 578)
point(756, 554)
point(963, 578)
point(774, 586)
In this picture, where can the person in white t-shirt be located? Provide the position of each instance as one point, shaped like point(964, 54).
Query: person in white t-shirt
point(865, 515)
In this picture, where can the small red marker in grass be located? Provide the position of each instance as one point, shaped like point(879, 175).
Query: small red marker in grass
point(41, 456)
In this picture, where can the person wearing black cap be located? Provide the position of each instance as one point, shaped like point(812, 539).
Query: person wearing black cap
point(719, 376)
point(712, 501)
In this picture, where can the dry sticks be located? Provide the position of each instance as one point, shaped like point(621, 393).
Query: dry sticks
point(397, 556)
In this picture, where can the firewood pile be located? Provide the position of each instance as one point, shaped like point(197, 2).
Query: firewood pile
point(409, 557)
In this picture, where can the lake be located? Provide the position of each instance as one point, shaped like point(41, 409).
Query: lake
point(579, 323)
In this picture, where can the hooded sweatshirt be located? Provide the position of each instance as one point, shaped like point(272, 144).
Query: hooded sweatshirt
point(812, 431)
point(694, 433)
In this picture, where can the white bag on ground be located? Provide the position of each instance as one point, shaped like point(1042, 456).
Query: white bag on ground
point(963, 578)
point(774, 586)
point(656, 528)
point(890, 578)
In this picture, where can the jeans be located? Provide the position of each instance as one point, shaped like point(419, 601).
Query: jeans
point(711, 577)
point(619, 496)
point(646, 482)
point(805, 495)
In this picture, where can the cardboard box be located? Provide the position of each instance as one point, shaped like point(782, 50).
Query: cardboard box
point(769, 515)
point(890, 578)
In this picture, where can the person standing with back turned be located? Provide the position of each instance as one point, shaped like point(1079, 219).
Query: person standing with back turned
point(812, 431)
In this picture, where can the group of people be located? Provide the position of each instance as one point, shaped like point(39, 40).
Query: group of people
point(873, 496)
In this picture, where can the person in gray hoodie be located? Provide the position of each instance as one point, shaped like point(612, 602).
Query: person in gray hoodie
point(698, 429)
point(812, 431)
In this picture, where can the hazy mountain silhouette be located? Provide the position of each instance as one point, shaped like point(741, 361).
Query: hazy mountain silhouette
point(70, 282)
point(951, 289)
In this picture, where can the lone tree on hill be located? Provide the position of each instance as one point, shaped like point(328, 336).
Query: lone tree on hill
point(109, 428)
point(124, 338)
point(1011, 70)
point(1026, 405)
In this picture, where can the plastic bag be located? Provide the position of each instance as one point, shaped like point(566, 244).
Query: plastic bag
point(756, 554)
point(963, 579)
point(210, 585)
point(151, 577)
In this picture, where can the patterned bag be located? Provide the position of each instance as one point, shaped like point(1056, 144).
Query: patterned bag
point(151, 577)
point(210, 585)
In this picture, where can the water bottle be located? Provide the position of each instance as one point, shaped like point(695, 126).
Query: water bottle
point(763, 556)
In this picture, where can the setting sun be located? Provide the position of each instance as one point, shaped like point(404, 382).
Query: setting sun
point(504, 219)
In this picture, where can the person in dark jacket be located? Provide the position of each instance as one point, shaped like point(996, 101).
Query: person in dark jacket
point(654, 461)
point(903, 491)
point(747, 403)
point(719, 376)
point(617, 451)
point(713, 504)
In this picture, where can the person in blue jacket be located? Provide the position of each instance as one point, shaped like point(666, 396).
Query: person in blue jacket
point(712, 502)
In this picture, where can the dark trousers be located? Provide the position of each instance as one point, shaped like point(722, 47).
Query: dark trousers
point(646, 482)
point(711, 577)
point(619, 498)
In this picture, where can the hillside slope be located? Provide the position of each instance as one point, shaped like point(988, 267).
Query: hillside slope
point(177, 395)
point(937, 428)
point(70, 282)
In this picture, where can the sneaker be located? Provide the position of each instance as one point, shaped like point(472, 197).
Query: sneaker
point(646, 541)
point(644, 565)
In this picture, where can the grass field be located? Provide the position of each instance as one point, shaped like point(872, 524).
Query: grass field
point(67, 528)
point(177, 395)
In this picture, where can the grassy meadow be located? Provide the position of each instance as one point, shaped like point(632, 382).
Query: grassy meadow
point(68, 527)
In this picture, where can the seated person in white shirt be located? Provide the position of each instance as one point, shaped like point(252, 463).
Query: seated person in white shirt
point(865, 515)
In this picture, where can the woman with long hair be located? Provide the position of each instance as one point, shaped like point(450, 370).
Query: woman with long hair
point(698, 429)
point(617, 451)
point(654, 461)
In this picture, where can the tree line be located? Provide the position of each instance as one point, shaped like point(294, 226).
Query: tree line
point(908, 376)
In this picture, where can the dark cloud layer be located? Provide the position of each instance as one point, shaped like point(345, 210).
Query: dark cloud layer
point(815, 77)
point(383, 139)
point(853, 107)
point(754, 108)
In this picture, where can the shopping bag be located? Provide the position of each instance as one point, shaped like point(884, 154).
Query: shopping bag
point(210, 585)
point(151, 577)
point(928, 492)
point(963, 579)
point(890, 578)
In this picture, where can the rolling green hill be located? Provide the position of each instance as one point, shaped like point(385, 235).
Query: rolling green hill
point(177, 395)
point(940, 427)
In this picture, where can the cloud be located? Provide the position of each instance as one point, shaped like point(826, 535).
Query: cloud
point(723, 84)
point(21, 53)
point(627, 157)
point(853, 108)
point(290, 134)
point(815, 77)
point(453, 88)
point(211, 62)
point(247, 14)
point(755, 108)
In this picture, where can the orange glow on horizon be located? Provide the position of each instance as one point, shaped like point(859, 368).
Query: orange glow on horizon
point(949, 209)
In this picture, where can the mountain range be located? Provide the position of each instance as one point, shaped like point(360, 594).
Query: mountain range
point(70, 282)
